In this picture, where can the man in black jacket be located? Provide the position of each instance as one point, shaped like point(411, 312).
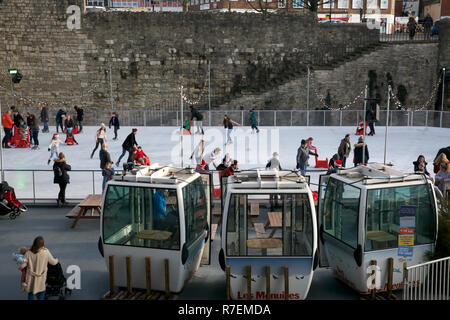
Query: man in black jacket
point(80, 114)
point(198, 119)
point(128, 145)
point(44, 116)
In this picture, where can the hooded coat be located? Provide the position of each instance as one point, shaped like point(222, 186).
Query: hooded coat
point(130, 141)
point(64, 178)
point(358, 154)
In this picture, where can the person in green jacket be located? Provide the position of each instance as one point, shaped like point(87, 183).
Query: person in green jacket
point(253, 121)
point(187, 124)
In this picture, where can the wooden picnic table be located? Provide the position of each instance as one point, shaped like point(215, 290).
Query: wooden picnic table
point(90, 203)
point(264, 244)
point(275, 221)
point(380, 236)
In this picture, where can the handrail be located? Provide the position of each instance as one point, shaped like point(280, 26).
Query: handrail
point(427, 263)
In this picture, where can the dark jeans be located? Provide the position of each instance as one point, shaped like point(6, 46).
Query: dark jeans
point(35, 134)
point(6, 137)
point(115, 132)
point(343, 159)
point(59, 124)
point(372, 128)
point(99, 142)
point(62, 191)
point(80, 124)
point(255, 127)
point(39, 295)
point(130, 152)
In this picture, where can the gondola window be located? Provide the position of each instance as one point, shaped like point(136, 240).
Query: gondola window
point(383, 216)
point(340, 213)
point(141, 217)
point(194, 209)
point(269, 225)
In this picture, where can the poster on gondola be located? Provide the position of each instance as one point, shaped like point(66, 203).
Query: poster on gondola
point(407, 216)
point(405, 251)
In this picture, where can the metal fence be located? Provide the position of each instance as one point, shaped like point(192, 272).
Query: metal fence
point(427, 281)
point(423, 118)
point(399, 32)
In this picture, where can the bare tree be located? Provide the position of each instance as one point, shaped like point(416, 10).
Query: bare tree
point(263, 6)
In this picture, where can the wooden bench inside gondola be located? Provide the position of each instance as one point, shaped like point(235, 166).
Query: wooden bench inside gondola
point(264, 244)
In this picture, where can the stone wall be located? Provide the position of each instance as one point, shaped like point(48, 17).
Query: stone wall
point(152, 55)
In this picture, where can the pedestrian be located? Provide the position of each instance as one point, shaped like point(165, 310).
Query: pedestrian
point(371, 117)
point(310, 146)
point(23, 131)
point(37, 260)
point(54, 147)
point(7, 124)
point(303, 154)
point(445, 150)
point(104, 156)
point(127, 146)
point(114, 121)
point(198, 151)
point(16, 117)
point(228, 125)
point(107, 173)
point(344, 149)
point(44, 117)
point(441, 158)
point(198, 119)
point(411, 25)
point(80, 117)
point(226, 162)
point(68, 122)
point(442, 178)
point(29, 122)
point(61, 177)
point(358, 152)
point(34, 131)
point(420, 165)
point(100, 138)
point(274, 162)
point(211, 157)
point(427, 24)
point(230, 170)
point(59, 119)
point(253, 121)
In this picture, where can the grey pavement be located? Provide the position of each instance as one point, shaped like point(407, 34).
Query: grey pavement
point(79, 247)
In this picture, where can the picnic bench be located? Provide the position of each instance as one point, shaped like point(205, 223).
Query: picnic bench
point(92, 202)
point(264, 244)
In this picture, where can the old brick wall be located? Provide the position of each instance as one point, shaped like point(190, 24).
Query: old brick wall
point(152, 55)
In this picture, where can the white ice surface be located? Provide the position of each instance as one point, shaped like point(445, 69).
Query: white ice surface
point(162, 145)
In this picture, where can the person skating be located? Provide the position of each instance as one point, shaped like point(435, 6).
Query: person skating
point(127, 146)
point(140, 156)
point(114, 121)
point(302, 157)
point(198, 119)
point(61, 177)
point(53, 148)
point(100, 138)
point(344, 149)
point(44, 117)
point(107, 173)
point(228, 125)
point(17, 117)
point(80, 117)
point(34, 128)
point(198, 151)
point(274, 162)
point(104, 156)
point(358, 152)
point(226, 162)
point(59, 119)
point(253, 121)
point(230, 170)
point(211, 157)
point(68, 122)
point(332, 165)
point(7, 123)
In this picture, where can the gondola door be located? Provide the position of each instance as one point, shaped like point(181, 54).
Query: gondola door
point(323, 181)
point(207, 180)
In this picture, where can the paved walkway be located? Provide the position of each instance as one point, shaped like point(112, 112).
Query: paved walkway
point(79, 247)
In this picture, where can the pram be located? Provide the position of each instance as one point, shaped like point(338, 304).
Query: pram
point(9, 203)
point(56, 285)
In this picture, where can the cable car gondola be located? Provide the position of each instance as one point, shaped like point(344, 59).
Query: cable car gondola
point(375, 212)
point(157, 212)
point(269, 220)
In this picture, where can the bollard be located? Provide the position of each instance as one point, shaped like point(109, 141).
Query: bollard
point(128, 262)
point(166, 267)
point(390, 276)
point(111, 275)
point(268, 282)
point(227, 285)
point(148, 277)
point(249, 282)
point(286, 282)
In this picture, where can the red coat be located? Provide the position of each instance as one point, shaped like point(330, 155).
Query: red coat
point(140, 154)
point(6, 121)
point(228, 172)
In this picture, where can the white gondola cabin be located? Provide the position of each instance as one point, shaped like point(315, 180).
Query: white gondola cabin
point(157, 212)
point(269, 220)
point(375, 212)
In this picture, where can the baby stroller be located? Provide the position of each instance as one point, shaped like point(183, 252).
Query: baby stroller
point(9, 205)
point(56, 285)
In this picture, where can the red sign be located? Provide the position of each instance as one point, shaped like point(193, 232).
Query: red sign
point(406, 230)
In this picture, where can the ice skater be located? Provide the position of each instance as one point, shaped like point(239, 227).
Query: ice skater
point(100, 138)
point(253, 121)
point(53, 148)
point(211, 157)
point(127, 146)
point(228, 125)
point(198, 151)
point(114, 121)
point(198, 119)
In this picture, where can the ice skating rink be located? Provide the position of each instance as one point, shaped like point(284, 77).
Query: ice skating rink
point(162, 145)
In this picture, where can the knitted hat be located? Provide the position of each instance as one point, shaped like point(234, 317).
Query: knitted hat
point(75, 107)
point(303, 141)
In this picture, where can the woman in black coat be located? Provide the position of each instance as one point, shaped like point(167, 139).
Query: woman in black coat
point(60, 168)
point(104, 156)
point(358, 152)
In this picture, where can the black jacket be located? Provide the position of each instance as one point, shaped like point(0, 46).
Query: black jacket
point(424, 170)
point(130, 141)
point(104, 158)
point(64, 178)
point(44, 114)
point(16, 119)
point(195, 114)
point(442, 150)
point(68, 123)
point(358, 154)
point(80, 114)
point(114, 121)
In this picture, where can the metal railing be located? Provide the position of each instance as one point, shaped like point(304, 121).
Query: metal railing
point(399, 32)
point(144, 118)
point(427, 281)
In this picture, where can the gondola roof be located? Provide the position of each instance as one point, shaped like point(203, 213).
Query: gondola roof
point(267, 179)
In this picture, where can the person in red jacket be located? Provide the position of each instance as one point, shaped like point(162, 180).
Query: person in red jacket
point(7, 125)
point(230, 170)
point(139, 156)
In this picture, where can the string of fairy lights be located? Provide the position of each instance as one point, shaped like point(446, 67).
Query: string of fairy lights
point(348, 105)
point(418, 108)
point(197, 101)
